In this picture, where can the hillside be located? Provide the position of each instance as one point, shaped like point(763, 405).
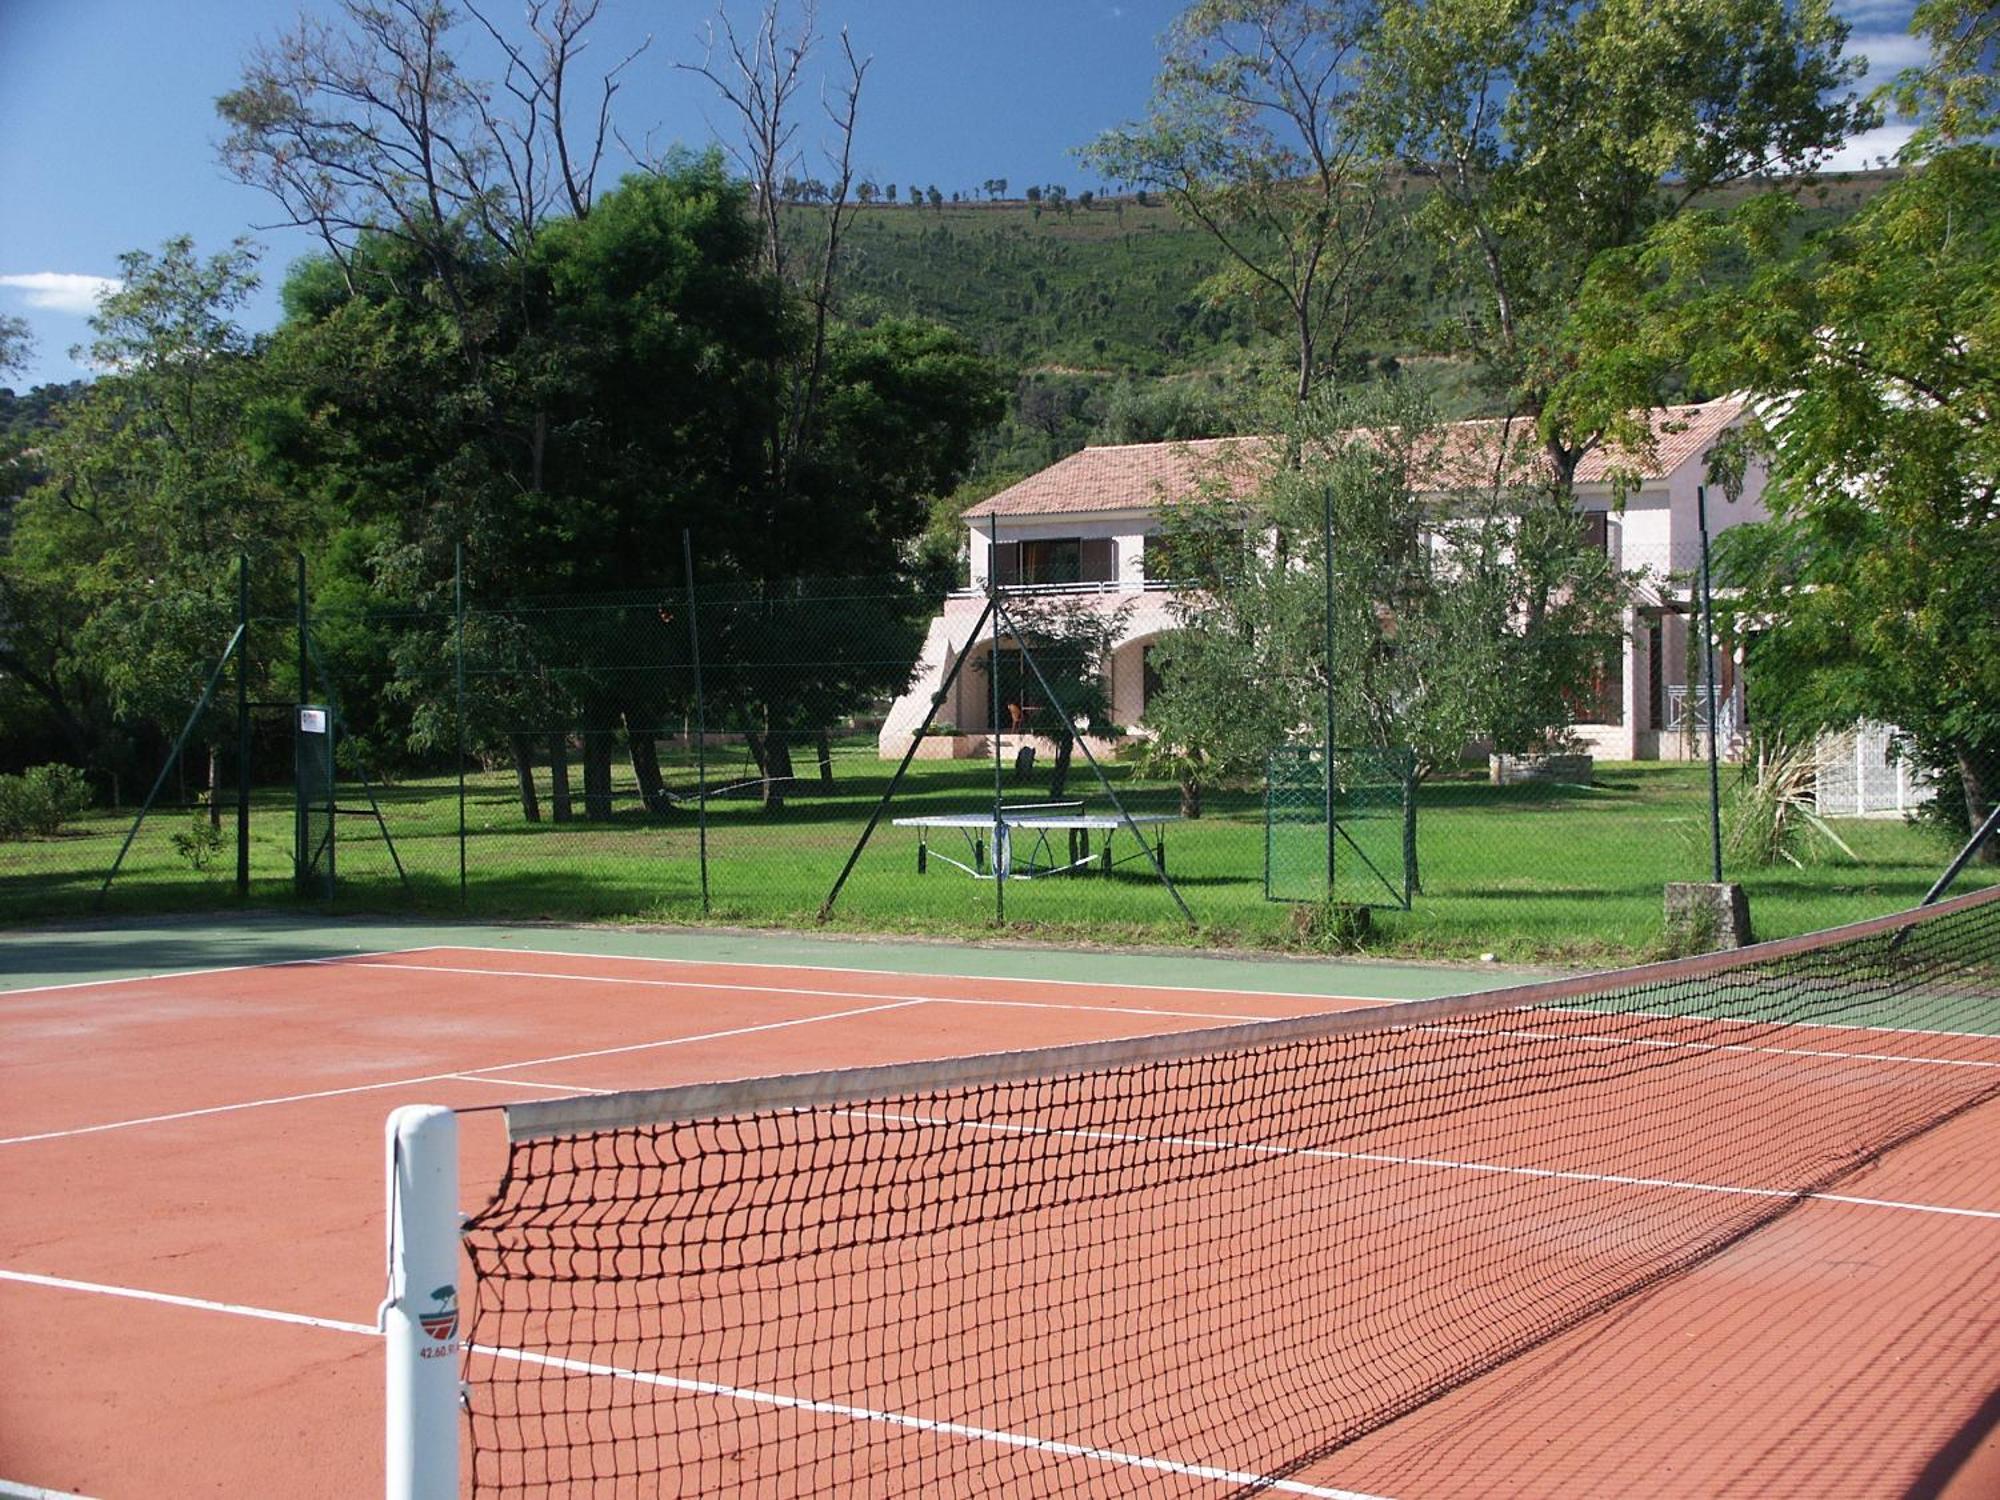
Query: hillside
point(1100, 307)
point(1112, 286)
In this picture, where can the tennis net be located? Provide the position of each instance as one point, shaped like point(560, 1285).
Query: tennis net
point(1208, 1259)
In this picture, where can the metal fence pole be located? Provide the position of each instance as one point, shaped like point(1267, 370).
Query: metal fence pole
point(1000, 840)
point(903, 767)
point(243, 724)
point(700, 720)
point(301, 835)
point(1326, 527)
point(1708, 657)
point(458, 653)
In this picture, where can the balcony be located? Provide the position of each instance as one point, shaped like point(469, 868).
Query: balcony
point(1084, 587)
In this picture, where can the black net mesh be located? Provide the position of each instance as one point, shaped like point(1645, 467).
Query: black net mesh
point(1374, 826)
point(1121, 1269)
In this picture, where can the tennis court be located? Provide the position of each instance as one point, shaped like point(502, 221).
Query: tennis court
point(1572, 1243)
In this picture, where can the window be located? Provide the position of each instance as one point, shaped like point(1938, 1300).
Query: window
point(1602, 700)
point(1597, 531)
point(1656, 671)
point(1056, 560)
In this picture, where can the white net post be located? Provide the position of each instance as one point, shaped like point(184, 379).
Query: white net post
point(419, 1316)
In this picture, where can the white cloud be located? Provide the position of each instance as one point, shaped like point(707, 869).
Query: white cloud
point(1863, 151)
point(1889, 51)
point(1860, 13)
point(62, 291)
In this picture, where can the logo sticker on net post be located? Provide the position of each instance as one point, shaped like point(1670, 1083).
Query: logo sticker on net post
point(441, 1322)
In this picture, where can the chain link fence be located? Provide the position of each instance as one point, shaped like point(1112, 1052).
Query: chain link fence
point(734, 752)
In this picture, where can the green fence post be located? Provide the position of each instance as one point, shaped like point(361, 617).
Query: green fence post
point(243, 724)
point(458, 644)
point(700, 720)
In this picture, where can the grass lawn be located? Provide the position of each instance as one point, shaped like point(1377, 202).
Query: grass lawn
point(1532, 872)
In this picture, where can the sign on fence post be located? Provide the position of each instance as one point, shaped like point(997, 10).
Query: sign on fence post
point(312, 766)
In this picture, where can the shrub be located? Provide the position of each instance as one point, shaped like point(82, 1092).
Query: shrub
point(199, 842)
point(40, 800)
point(1771, 816)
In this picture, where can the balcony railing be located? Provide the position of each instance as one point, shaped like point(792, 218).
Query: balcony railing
point(1093, 586)
point(1687, 711)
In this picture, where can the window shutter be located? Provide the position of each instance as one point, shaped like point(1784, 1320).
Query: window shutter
point(1099, 560)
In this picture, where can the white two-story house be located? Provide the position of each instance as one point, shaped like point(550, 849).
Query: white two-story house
point(1083, 529)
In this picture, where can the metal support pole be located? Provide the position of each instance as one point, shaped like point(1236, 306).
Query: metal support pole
point(1326, 527)
point(301, 833)
point(1082, 743)
point(173, 760)
point(458, 653)
point(1000, 840)
point(1989, 829)
point(701, 725)
point(419, 1317)
point(242, 724)
point(889, 793)
point(1708, 657)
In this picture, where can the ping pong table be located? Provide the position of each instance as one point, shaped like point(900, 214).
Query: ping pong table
point(1038, 855)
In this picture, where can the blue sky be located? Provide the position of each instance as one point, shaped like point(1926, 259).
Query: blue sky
point(109, 129)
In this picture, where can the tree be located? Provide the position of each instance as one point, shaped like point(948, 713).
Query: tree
point(1463, 609)
point(17, 343)
point(1874, 351)
point(1547, 133)
point(1252, 136)
point(1956, 95)
point(369, 126)
point(118, 586)
point(631, 397)
point(1161, 411)
point(1057, 678)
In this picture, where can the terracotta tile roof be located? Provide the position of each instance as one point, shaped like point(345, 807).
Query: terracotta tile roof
point(1130, 476)
point(1142, 476)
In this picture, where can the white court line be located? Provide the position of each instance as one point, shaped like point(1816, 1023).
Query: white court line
point(745, 1394)
point(778, 989)
point(928, 1424)
point(1681, 1015)
point(746, 963)
point(1348, 1002)
point(567, 1089)
point(9, 1490)
point(1128, 1010)
point(200, 1304)
point(1643, 1041)
point(398, 1083)
point(1321, 1153)
point(7, 994)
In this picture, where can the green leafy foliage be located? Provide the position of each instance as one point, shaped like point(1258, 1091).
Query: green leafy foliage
point(117, 580)
point(1526, 188)
point(199, 843)
point(1458, 613)
point(39, 801)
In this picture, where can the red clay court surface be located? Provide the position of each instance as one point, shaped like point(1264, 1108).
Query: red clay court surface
point(191, 1249)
